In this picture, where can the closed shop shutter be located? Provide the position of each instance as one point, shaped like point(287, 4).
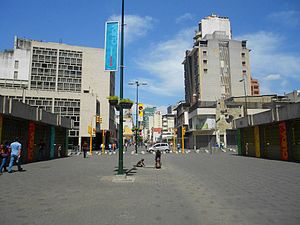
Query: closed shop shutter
point(295, 140)
point(271, 142)
point(60, 139)
point(248, 141)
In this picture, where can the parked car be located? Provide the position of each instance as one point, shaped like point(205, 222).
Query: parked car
point(159, 146)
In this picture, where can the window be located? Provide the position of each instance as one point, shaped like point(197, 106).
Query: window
point(204, 53)
point(243, 54)
point(244, 63)
point(205, 61)
point(16, 75)
point(16, 64)
point(205, 70)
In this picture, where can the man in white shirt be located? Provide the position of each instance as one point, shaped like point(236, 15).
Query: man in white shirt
point(15, 155)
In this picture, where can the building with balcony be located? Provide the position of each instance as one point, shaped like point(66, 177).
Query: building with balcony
point(168, 125)
point(254, 87)
point(215, 65)
point(63, 79)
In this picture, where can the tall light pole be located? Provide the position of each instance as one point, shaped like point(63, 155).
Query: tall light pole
point(245, 94)
point(121, 169)
point(137, 83)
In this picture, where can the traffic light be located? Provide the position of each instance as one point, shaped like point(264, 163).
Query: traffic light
point(98, 119)
point(141, 110)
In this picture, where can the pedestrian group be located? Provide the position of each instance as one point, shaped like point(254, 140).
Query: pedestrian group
point(11, 152)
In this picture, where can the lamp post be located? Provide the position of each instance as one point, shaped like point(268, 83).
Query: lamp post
point(121, 169)
point(245, 94)
point(137, 83)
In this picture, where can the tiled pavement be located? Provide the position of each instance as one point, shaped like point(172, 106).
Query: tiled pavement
point(189, 189)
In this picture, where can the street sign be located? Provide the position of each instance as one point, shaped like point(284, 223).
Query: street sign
point(111, 45)
point(141, 112)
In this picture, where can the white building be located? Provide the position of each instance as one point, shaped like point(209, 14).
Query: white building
point(63, 79)
point(155, 127)
point(215, 66)
point(212, 23)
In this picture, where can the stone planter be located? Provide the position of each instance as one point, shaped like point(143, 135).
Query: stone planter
point(126, 105)
point(113, 102)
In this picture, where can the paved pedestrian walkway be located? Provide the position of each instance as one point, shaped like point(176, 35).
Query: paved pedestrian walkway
point(189, 189)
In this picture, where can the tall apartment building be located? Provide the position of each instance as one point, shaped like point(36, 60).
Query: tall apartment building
point(215, 66)
point(63, 79)
point(148, 111)
point(254, 87)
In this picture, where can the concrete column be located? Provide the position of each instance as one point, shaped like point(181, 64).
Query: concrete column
point(225, 139)
point(52, 142)
point(195, 141)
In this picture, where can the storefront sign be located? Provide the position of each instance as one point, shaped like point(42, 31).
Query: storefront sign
point(283, 142)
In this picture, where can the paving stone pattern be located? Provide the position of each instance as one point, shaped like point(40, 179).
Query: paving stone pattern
point(190, 189)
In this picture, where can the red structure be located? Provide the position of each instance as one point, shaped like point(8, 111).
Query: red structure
point(254, 87)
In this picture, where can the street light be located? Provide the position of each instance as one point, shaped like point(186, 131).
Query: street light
point(120, 169)
point(246, 107)
point(137, 83)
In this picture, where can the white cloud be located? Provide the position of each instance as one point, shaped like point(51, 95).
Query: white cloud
point(164, 62)
point(135, 26)
point(273, 77)
point(288, 18)
point(184, 17)
point(268, 61)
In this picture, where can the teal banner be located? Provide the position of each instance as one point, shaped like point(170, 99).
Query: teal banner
point(111, 45)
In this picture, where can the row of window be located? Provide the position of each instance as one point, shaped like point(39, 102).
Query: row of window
point(69, 53)
point(204, 53)
point(42, 58)
point(42, 72)
point(69, 87)
point(44, 51)
point(72, 61)
point(66, 67)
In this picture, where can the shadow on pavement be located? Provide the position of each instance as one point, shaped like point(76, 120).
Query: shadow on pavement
point(128, 172)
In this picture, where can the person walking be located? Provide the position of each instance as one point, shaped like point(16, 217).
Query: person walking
point(59, 151)
point(16, 150)
point(85, 148)
point(4, 154)
point(158, 159)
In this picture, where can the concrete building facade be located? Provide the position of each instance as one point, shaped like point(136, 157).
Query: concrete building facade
point(274, 134)
point(62, 79)
point(215, 66)
point(32, 125)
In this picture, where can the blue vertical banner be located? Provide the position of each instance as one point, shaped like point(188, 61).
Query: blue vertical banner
point(111, 45)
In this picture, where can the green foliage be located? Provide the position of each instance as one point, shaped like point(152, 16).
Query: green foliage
point(113, 97)
point(126, 100)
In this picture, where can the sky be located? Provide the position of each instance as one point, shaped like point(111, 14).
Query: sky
point(157, 34)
